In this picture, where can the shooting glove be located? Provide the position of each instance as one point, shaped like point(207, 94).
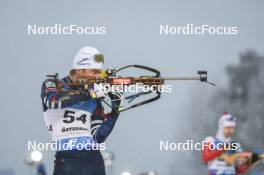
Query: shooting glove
point(116, 98)
point(254, 157)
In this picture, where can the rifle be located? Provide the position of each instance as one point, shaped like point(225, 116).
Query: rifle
point(244, 157)
point(110, 77)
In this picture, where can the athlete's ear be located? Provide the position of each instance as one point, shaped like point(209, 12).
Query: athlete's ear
point(79, 71)
point(72, 72)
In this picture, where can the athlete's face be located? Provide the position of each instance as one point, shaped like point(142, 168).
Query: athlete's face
point(94, 73)
point(229, 131)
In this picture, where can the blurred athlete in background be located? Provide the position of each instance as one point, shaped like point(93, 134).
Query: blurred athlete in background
point(228, 158)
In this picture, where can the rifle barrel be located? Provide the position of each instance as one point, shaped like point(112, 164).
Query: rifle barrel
point(181, 78)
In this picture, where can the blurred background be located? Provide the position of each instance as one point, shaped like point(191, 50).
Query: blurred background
point(234, 62)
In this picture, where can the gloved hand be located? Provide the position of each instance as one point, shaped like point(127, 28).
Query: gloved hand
point(97, 92)
point(116, 100)
point(255, 157)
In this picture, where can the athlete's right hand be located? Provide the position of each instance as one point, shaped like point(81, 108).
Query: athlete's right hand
point(229, 158)
point(97, 92)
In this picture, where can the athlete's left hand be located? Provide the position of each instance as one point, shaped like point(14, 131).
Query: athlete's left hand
point(117, 99)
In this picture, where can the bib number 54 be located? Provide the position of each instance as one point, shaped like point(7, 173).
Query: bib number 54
point(70, 117)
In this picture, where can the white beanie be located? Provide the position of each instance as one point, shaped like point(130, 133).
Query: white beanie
point(85, 59)
point(226, 120)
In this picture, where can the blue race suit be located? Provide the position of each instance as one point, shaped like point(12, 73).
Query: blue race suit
point(77, 124)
